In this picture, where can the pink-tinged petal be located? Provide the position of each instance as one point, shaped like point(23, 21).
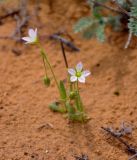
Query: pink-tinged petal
point(81, 79)
point(27, 39)
point(34, 36)
point(72, 71)
point(73, 78)
point(86, 73)
point(36, 31)
point(79, 67)
point(31, 33)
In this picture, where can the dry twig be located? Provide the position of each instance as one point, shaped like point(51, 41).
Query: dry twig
point(129, 148)
point(105, 6)
point(119, 10)
point(128, 40)
point(82, 157)
point(10, 14)
point(64, 41)
point(22, 20)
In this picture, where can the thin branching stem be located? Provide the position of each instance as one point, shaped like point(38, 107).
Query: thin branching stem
point(128, 40)
point(64, 54)
point(106, 6)
point(119, 10)
point(48, 63)
point(129, 147)
point(44, 66)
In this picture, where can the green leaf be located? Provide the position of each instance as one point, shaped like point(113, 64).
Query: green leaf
point(97, 12)
point(56, 108)
point(75, 115)
point(83, 24)
point(114, 21)
point(121, 2)
point(132, 25)
point(78, 103)
point(100, 32)
point(70, 109)
point(63, 93)
point(90, 32)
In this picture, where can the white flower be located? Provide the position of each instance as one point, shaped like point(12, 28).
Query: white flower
point(78, 74)
point(32, 38)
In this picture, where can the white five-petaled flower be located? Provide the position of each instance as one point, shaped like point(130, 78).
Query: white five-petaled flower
point(32, 38)
point(78, 74)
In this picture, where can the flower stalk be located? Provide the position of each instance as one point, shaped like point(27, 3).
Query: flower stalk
point(64, 54)
point(80, 105)
point(70, 100)
point(49, 65)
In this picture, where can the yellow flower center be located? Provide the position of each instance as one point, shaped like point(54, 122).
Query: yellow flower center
point(78, 74)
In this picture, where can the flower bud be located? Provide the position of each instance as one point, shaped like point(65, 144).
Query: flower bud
point(72, 95)
point(46, 81)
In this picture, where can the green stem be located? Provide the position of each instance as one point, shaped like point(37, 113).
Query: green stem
point(80, 105)
point(70, 84)
point(51, 69)
point(45, 66)
point(48, 63)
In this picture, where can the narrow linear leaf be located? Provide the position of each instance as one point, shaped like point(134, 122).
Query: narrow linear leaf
point(63, 93)
point(56, 108)
point(70, 109)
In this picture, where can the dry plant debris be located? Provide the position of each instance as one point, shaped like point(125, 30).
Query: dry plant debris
point(119, 135)
point(82, 157)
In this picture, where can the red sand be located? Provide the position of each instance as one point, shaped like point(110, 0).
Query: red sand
point(28, 129)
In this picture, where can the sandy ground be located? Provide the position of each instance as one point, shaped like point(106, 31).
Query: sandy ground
point(29, 130)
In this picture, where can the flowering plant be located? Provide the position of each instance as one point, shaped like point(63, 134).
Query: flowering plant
point(78, 74)
point(70, 101)
point(32, 38)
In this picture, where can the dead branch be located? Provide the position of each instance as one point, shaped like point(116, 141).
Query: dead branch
point(105, 6)
point(18, 31)
point(22, 19)
point(123, 10)
point(64, 41)
point(134, 156)
point(82, 157)
point(129, 148)
point(10, 14)
point(119, 10)
point(128, 40)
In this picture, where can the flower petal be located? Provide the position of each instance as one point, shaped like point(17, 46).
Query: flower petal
point(72, 71)
point(86, 73)
point(81, 79)
point(27, 39)
point(73, 78)
point(32, 33)
point(79, 67)
point(36, 32)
